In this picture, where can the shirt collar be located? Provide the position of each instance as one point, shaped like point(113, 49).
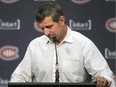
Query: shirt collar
point(68, 37)
point(47, 40)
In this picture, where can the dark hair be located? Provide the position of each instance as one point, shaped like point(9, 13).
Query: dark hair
point(49, 9)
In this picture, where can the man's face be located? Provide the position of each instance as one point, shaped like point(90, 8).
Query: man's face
point(51, 28)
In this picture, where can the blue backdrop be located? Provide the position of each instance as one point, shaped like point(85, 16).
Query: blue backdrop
point(95, 19)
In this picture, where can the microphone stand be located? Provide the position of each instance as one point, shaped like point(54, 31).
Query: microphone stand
point(57, 65)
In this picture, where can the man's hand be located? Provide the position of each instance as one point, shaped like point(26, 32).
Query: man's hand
point(101, 82)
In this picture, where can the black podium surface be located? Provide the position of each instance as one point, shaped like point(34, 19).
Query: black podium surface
point(51, 85)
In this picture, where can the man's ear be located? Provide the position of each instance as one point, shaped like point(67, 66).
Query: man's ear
point(62, 20)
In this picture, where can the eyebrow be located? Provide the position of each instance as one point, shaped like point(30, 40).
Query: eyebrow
point(48, 26)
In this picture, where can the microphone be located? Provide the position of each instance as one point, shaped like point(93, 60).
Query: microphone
point(57, 65)
point(54, 39)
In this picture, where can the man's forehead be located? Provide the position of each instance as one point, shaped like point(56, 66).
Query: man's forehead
point(47, 19)
point(46, 22)
point(41, 25)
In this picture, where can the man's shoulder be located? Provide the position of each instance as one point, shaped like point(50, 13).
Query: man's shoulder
point(79, 35)
point(80, 38)
point(38, 40)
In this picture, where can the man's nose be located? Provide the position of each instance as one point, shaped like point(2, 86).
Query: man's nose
point(46, 31)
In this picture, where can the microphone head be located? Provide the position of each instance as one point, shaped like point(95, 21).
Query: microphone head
point(54, 39)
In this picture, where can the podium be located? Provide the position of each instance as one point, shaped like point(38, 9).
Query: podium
point(51, 84)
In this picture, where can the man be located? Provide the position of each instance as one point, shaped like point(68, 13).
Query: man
point(78, 57)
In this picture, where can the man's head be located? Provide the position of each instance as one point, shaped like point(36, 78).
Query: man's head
point(51, 21)
point(49, 9)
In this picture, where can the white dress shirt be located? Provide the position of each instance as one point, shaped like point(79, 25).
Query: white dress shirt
point(78, 58)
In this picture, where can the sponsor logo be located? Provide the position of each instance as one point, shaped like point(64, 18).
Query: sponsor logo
point(111, 24)
point(9, 1)
point(80, 25)
point(110, 54)
point(44, 0)
point(3, 81)
point(6, 25)
point(80, 1)
point(9, 53)
point(35, 26)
